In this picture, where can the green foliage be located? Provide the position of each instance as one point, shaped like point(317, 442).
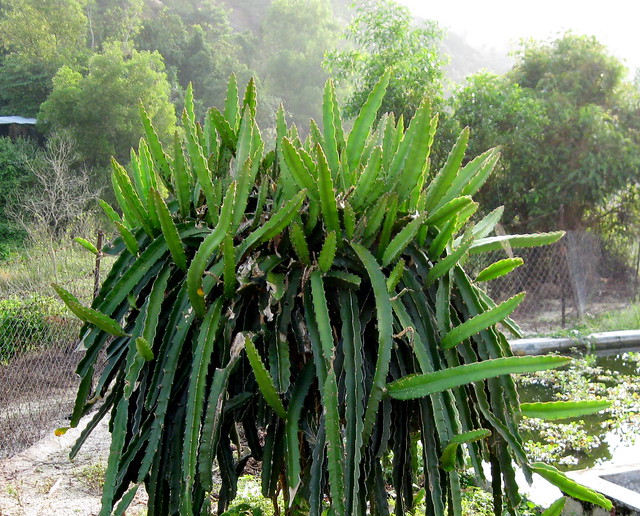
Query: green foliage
point(29, 323)
point(294, 38)
point(578, 67)
point(113, 20)
point(282, 323)
point(564, 128)
point(15, 179)
point(24, 84)
point(198, 47)
point(44, 31)
point(582, 443)
point(100, 109)
point(385, 40)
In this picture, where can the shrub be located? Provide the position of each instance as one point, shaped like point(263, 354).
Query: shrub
point(310, 299)
point(27, 324)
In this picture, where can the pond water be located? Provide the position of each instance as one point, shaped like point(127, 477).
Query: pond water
point(605, 439)
point(612, 436)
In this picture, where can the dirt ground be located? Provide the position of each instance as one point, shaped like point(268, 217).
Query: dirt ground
point(43, 481)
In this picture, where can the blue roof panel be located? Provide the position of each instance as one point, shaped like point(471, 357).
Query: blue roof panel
point(17, 120)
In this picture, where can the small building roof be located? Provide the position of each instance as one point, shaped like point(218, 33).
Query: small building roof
point(17, 120)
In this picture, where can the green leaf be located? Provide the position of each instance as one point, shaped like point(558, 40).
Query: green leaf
point(472, 176)
point(327, 195)
point(118, 435)
point(109, 211)
point(335, 452)
point(297, 167)
point(229, 258)
point(200, 166)
point(395, 275)
point(321, 311)
point(328, 252)
point(129, 240)
point(498, 269)
point(349, 220)
point(144, 349)
point(155, 147)
point(231, 103)
point(420, 385)
point(402, 240)
point(296, 404)
point(169, 230)
point(207, 248)
point(86, 244)
point(367, 178)
point(442, 182)
point(330, 123)
point(449, 210)
point(357, 138)
point(555, 509)
point(385, 335)
point(182, 178)
point(296, 234)
point(275, 225)
point(481, 322)
point(447, 263)
point(409, 166)
point(132, 205)
point(448, 458)
point(89, 315)
point(570, 487)
point(265, 382)
point(484, 245)
point(195, 400)
point(563, 409)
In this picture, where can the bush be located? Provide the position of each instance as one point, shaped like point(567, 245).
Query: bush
point(28, 324)
point(310, 299)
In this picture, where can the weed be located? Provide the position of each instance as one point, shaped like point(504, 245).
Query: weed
point(92, 476)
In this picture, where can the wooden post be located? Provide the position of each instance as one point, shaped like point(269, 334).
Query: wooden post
point(635, 288)
point(96, 271)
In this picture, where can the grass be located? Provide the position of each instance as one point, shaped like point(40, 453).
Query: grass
point(92, 476)
point(38, 265)
point(614, 320)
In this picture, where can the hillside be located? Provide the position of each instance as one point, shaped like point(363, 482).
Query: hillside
point(246, 15)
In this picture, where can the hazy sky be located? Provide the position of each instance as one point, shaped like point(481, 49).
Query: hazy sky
point(502, 23)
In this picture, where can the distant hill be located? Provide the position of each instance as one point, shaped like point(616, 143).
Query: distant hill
point(466, 59)
point(246, 15)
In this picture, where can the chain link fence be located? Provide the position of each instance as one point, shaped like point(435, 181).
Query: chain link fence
point(564, 282)
point(37, 379)
point(38, 358)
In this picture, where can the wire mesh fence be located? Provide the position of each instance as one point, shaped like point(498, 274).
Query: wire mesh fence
point(564, 282)
point(37, 379)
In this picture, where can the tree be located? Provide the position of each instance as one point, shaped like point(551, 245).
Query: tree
point(203, 53)
point(59, 195)
point(101, 109)
point(295, 34)
point(384, 38)
point(576, 67)
point(113, 20)
point(54, 30)
point(502, 114)
point(24, 84)
point(37, 38)
point(556, 118)
point(15, 180)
